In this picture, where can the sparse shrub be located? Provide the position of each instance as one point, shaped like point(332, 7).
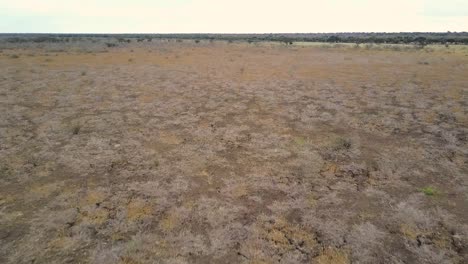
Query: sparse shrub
point(366, 243)
point(369, 46)
point(197, 41)
point(130, 60)
point(111, 45)
point(123, 40)
point(14, 56)
point(429, 191)
point(334, 39)
point(338, 46)
point(342, 144)
point(421, 42)
point(395, 48)
point(76, 129)
point(83, 73)
point(409, 212)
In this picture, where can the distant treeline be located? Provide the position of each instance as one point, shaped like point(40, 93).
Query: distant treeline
point(420, 38)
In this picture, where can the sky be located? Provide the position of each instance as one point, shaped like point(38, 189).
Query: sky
point(234, 16)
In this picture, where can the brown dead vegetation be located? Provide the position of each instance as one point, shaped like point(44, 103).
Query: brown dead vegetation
point(217, 152)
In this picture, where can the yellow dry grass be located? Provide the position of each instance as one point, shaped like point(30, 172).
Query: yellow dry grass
point(332, 256)
point(170, 221)
point(138, 209)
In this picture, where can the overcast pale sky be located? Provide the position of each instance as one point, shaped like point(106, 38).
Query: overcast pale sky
point(236, 16)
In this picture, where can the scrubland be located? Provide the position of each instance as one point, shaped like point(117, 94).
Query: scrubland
point(218, 152)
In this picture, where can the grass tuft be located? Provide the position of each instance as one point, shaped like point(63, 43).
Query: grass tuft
point(429, 191)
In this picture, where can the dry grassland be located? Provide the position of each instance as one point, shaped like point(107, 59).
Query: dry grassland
point(184, 152)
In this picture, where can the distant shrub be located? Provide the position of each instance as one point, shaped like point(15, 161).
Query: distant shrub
point(197, 41)
point(47, 39)
point(334, 39)
point(76, 129)
point(14, 56)
point(421, 41)
point(111, 45)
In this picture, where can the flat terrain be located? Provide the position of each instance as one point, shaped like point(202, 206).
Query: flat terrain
point(217, 152)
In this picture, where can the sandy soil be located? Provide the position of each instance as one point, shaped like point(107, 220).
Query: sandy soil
point(183, 152)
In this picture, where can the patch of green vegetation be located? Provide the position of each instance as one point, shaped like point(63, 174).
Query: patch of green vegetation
point(429, 191)
point(300, 141)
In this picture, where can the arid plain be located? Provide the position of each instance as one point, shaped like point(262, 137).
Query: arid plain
point(217, 152)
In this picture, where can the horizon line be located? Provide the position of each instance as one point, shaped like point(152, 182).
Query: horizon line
point(237, 33)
